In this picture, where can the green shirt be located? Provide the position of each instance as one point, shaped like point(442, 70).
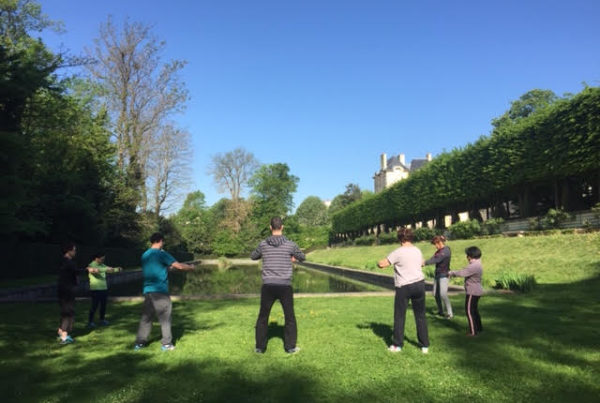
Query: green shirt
point(98, 280)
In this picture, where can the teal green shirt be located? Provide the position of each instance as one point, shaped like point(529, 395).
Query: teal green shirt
point(98, 280)
point(155, 267)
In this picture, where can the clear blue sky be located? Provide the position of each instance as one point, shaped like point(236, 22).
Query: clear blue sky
point(327, 86)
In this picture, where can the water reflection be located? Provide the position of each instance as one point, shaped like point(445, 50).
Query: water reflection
point(210, 280)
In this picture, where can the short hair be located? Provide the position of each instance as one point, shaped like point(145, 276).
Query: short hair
point(67, 247)
point(156, 238)
point(98, 254)
point(473, 252)
point(438, 238)
point(276, 223)
point(405, 235)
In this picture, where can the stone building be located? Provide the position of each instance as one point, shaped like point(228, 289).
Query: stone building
point(395, 169)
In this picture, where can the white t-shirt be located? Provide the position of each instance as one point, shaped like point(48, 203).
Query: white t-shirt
point(407, 262)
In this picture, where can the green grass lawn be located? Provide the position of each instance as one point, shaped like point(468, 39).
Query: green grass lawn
point(542, 346)
point(552, 258)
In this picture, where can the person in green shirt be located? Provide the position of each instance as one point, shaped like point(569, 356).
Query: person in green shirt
point(98, 287)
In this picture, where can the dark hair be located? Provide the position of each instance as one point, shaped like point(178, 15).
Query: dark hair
point(276, 223)
point(438, 238)
point(473, 252)
point(405, 235)
point(156, 238)
point(67, 247)
point(98, 254)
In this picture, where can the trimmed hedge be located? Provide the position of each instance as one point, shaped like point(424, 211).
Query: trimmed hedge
point(553, 144)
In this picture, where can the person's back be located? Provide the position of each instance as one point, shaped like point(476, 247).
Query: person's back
point(155, 264)
point(276, 252)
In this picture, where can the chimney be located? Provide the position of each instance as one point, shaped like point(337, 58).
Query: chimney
point(383, 162)
point(401, 158)
point(428, 156)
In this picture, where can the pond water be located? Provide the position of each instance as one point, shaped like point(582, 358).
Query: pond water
point(210, 280)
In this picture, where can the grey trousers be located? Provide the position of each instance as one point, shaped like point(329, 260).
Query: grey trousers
point(159, 304)
point(440, 292)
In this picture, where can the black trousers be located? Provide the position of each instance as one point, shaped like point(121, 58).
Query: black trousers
point(268, 294)
point(66, 300)
point(473, 318)
point(99, 298)
point(416, 293)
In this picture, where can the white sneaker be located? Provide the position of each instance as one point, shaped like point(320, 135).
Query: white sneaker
point(425, 350)
point(394, 348)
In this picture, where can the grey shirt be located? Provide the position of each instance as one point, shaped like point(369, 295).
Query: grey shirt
point(407, 265)
point(441, 260)
point(276, 252)
point(472, 274)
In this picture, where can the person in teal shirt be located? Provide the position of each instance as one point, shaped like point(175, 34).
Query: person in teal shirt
point(99, 287)
point(155, 269)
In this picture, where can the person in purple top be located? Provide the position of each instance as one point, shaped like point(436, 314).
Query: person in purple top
point(472, 274)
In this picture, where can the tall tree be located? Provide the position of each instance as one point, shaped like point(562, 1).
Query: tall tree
point(141, 92)
point(168, 167)
point(194, 223)
point(527, 104)
point(231, 172)
point(350, 195)
point(312, 212)
point(272, 192)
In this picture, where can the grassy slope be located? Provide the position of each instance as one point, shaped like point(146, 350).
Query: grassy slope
point(552, 259)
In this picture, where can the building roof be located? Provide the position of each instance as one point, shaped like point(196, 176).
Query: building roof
point(395, 161)
point(417, 163)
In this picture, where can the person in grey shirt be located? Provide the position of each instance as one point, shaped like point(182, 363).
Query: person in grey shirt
point(441, 260)
point(278, 253)
point(472, 274)
point(410, 284)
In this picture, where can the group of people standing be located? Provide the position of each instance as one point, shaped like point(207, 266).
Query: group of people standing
point(409, 283)
point(278, 254)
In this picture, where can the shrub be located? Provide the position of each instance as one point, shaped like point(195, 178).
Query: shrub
point(366, 240)
point(226, 243)
point(492, 226)
point(465, 229)
point(429, 271)
point(515, 281)
point(388, 238)
point(424, 234)
point(554, 218)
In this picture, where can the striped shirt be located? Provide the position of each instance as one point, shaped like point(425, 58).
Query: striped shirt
point(276, 253)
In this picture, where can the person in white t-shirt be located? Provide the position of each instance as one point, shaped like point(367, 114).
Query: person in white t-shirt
point(409, 282)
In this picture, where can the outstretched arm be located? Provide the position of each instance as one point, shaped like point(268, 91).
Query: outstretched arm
point(383, 263)
point(182, 266)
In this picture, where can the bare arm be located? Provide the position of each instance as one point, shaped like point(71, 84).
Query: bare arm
point(182, 266)
point(383, 263)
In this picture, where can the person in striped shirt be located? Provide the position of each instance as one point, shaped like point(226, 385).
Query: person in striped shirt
point(277, 253)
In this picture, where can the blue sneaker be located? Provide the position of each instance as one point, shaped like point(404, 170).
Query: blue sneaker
point(293, 350)
point(105, 323)
point(167, 347)
point(91, 325)
point(67, 340)
point(139, 346)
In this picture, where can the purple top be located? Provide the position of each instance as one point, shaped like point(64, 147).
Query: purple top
point(472, 274)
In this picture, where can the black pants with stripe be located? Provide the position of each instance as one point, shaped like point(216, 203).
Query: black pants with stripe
point(268, 294)
point(473, 318)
